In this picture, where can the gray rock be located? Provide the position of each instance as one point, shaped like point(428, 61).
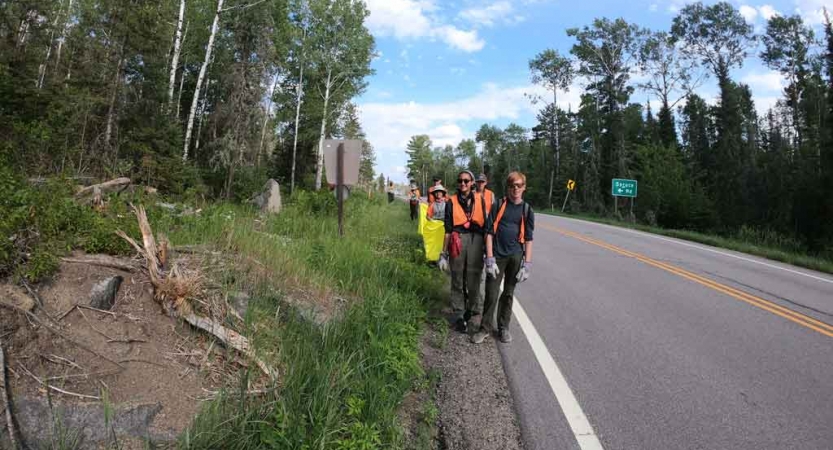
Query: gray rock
point(168, 206)
point(269, 200)
point(240, 302)
point(103, 294)
point(85, 421)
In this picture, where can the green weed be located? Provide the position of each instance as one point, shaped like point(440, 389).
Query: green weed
point(342, 382)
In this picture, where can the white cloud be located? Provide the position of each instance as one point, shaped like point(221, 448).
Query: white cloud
point(466, 41)
point(653, 7)
point(676, 5)
point(399, 18)
point(764, 103)
point(390, 125)
point(458, 71)
point(770, 81)
point(752, 13)
point(416, 19)
point(749, 13)
point(768, 12)
point(490, 15)
point(813, 10)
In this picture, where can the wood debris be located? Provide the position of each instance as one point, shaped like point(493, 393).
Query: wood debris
point(175, 289)
point(10, 426)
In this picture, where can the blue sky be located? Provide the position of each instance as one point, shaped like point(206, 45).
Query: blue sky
point(446, 67)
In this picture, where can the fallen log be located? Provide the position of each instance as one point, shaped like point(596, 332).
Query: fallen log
point(103, 261)
point(116, 185)
point(10, 427)
point(228, 337)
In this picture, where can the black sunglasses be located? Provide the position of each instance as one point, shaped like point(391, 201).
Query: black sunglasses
point(464, 180)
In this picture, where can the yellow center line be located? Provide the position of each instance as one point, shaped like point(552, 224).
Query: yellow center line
point(774, 308)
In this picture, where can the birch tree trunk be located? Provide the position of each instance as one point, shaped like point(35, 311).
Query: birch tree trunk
point(319, 164)
point(177, 49)
point(298, 99)
point(266, 119)
point(179, 96)
point(111, 112)
point(42, 68)
point(63, 36)
point(190, 127)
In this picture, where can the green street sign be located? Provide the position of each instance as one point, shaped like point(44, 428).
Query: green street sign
point(623, 188)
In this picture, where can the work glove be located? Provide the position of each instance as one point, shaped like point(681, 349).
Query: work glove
point(491, 268)
point(523, 274)
point(443, 264)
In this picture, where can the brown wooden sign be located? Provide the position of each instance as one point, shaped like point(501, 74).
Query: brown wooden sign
point(352, 157)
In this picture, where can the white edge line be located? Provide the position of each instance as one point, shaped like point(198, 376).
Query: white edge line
point(700, 247)
point(583, 431)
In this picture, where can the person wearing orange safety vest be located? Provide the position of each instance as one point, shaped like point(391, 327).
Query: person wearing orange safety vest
point(487, 193)
point(465, 226)
point(437, 182)
point(508, 257)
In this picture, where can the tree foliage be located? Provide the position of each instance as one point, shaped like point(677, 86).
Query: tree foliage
point(86, 88)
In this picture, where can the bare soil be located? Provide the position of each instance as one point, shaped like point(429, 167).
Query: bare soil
point(164, 369)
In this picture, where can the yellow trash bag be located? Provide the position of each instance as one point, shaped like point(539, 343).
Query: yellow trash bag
point(432, 236)
point(423, 214)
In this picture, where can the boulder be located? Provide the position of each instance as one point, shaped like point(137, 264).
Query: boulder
point(240, 302)
point(85, 421)
point(269, 200)
point(103, 294)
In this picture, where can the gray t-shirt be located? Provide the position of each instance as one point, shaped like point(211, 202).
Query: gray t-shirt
point(506, 240)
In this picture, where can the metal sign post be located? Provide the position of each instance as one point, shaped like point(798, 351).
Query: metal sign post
point(340, 187)
point(571, 186)
point(622, 188)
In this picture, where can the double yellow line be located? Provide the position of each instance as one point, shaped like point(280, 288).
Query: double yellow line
point(766, 305)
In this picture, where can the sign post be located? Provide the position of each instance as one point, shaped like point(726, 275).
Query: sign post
point(623, 188)
point(571, 186)
point(340, 187)
point(341, 163)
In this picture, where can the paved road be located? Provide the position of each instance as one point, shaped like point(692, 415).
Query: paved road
point(671, 345)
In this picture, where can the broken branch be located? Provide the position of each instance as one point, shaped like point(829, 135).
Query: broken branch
point(59, 390)
point(10, 427)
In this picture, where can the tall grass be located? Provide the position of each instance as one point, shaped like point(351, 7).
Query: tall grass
point(342, 382)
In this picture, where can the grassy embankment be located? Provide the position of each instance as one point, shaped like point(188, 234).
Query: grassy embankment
point(762, 243)
point(341, 384)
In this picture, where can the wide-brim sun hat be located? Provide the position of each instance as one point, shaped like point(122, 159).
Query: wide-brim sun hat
point(438, 188)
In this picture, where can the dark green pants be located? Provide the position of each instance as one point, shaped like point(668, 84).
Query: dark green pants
point(466, 271)
point(497, 303)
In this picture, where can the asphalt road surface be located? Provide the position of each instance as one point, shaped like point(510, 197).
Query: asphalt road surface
point(654, 343)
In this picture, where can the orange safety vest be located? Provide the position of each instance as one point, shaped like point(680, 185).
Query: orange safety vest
point(522, 236)
point(489, 197)
point(459, 215)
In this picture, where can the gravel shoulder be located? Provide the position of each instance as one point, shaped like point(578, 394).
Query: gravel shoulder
point(476, 409)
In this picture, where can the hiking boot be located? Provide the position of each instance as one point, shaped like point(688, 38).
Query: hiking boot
point(479, 337)
point(460, 325)
point(504, 336)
